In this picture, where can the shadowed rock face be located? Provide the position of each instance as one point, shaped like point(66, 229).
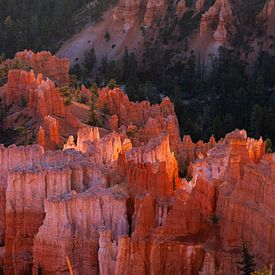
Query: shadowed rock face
point(135, 12)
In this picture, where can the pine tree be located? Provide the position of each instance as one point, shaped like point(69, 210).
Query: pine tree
point(268, 146)
point(90, 60)
point(256, 120)
point(112, 84)
point(217, 128)
point(125, 65)
point(107, 36)
point(247, 264)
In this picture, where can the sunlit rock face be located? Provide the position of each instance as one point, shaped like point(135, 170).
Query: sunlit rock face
point(56, 69)
point(149, 120)
point(39, 100)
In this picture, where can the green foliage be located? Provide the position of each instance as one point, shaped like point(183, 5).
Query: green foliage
point(16, 65)
point(36, 24)
point(2, 58)
point(107, 36)
point(183, 169)
point(106, 109)
point(76, 70)
point(23, 131)
point(262, 271)
point(93, 114)
point(268, 146)
point(247, 264)
point(112, 84)
point(189, 3)
point(83, 99)
point(24, 101)
point(132, 132)
point(94, 91)
point(68, 101)
point(97, 10)
point(4, 70)
point(214, 219)
point(89, 60)
point(65, 92)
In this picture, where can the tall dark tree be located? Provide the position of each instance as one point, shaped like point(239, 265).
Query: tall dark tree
point(247, 263)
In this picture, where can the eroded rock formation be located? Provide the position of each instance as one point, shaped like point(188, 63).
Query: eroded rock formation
point(56, 69)
point(221, 15)
point(40, 101)
point(149, 120)
point(132, 198)
point(136, 12)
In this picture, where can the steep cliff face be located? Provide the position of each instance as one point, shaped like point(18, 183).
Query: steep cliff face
point(64, 227)
point(151, 169)
point(15, 158)
point(252, 199)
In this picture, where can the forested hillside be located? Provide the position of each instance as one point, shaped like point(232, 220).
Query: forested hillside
point(42, 24)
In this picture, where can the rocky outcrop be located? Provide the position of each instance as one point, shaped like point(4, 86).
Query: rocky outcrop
point(221, 15)
point(136, 12)
point(42, 103)
point(150, 120)
point(267, 11)
point(50, 66)
point(42, 96)
point(181, 8)
point(155, 9)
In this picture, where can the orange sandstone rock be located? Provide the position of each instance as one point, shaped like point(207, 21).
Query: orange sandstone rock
point(50, 66)
point(151, 121)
